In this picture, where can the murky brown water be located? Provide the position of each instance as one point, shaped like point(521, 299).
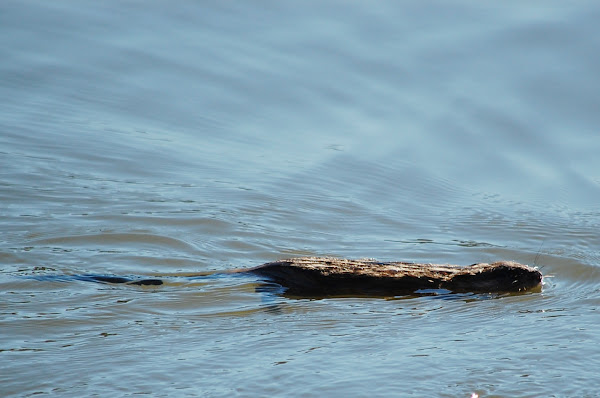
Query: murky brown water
point(174, 140)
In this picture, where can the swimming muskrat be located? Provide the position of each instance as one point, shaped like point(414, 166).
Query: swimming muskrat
point(326, 276)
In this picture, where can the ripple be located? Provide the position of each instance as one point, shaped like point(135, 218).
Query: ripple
point(117, 240)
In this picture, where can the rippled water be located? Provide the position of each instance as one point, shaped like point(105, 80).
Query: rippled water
point(171, 140)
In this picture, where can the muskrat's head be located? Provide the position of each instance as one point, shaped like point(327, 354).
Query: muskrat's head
point(500, 276)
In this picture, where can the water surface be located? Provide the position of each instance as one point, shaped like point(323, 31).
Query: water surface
point(173, 140)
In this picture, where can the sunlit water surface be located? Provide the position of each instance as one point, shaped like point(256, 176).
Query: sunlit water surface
point(170, 140)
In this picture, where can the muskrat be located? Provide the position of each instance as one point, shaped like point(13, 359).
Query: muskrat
point(327, 276)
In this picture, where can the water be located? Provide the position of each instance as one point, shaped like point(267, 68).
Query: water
point(152, 139)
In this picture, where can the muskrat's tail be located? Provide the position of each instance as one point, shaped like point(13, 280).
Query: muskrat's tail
point(99, 279)
point(120, 279)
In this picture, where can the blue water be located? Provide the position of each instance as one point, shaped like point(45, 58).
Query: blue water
point(158, 139)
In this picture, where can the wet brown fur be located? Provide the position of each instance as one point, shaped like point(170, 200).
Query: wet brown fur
point(333, 276)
